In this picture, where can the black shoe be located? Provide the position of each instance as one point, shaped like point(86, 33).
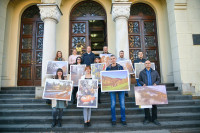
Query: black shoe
point(53, 123)
point(85, 125)
point(146, 122)
point(124, 123)
point(126, 94)
point(156, 122)
point(59, 123)
point(88, 124)
point(113, 123)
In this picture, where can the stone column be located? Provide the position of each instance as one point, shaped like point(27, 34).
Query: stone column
point(50, 15)
point(120, 14)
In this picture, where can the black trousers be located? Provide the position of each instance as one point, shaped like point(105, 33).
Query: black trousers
point(154, 113)
point(75, 89)
point(99, 93)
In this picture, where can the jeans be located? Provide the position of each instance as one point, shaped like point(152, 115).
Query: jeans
point(122, 105)
point(154, 113)
point(138, 84)
point(57, 112)
point(86, 114)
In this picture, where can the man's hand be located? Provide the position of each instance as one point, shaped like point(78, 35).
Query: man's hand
point(154, 84)
point(144, 84)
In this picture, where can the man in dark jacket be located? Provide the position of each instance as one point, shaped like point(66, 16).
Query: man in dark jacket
point(115, 66)
point(149, 77)
point(88, 57)
point(140, 59)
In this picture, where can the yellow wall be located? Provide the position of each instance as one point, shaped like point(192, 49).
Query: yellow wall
point(11, 42)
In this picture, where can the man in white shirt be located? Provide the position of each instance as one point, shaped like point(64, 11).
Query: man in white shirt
point(121, 56)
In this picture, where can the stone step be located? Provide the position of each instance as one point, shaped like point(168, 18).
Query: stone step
point(104, 97)
point(42, 105)
point(99, 127)
point(185, 130)
point(17, 92)
point(168, 84)
point(97, 119)
point(19, 88)
point(13, 96)
point(98, 112)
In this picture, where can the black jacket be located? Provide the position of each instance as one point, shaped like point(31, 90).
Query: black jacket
point(138, 60)
point(155, 78)
point(88, 58)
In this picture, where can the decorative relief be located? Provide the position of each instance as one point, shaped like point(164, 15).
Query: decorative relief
point(121, 10)
point(50, 12)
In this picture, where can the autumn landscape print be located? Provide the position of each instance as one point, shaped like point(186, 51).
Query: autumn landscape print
point(115, 81)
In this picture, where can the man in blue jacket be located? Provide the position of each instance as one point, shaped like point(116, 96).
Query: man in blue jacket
point(88, 57)
point(149, 77)
point(115, 66)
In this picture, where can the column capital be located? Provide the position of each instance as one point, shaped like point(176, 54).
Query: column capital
point(50, 11)
point(121, 9)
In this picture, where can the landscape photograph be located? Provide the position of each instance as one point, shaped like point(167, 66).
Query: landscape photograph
point(53, 66)
point(96, 69)
point(115, 81)
point(58, 89)
point(151, 95)
point(105, 58)
point(127, 65)
point(139, 67)
point(76, 71)
point(87, 93)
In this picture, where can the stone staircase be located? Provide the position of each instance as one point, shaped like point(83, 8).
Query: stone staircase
point(20, 112)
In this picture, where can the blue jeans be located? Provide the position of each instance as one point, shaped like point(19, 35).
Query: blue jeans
point(122, 105)
point(138, 84)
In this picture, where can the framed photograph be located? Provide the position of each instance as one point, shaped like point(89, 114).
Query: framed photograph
point(115, 81)
point(96, 69)
point(87, 93)
point(58, 89)
point(105, 58)
point(53, 66)
point(139, 67)
point(76, 71)
point(127, 65)
point(150, 95)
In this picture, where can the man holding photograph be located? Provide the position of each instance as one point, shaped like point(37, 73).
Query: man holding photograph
point(149, 77)
point(140, 59)
point(115, 66)
point(121, 58)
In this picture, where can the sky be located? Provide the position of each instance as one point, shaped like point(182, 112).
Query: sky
point(115, 74)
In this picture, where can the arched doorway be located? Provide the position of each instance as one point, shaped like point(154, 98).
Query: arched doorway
point(143, 33)
point(30, 48)
point(88, 27)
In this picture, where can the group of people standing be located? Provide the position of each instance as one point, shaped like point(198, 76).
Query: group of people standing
point(147, 77)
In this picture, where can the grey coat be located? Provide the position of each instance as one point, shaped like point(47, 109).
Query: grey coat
point(155, 78)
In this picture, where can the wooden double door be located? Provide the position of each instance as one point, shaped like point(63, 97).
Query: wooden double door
point(142, 31)
point(30, 52)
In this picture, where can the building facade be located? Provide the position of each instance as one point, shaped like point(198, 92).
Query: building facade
point(167, 31)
